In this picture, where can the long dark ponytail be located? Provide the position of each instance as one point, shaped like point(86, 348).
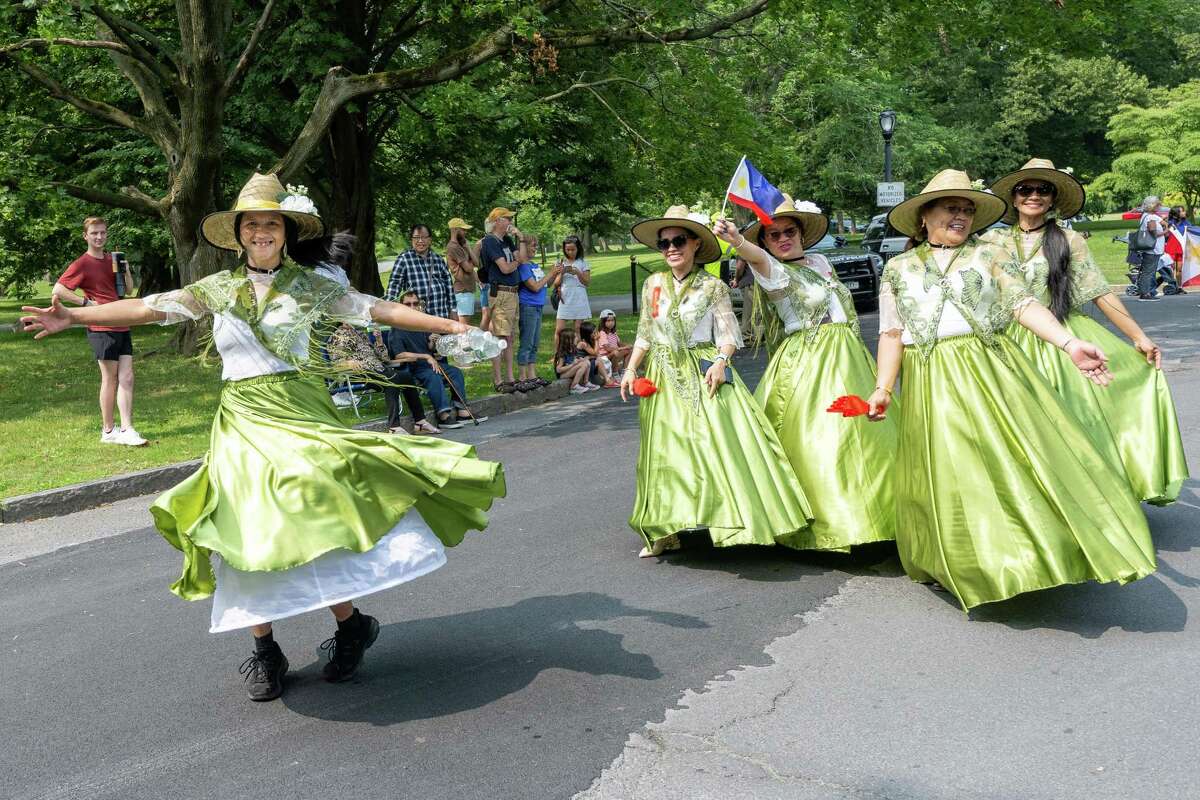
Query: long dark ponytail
point(1057, 250)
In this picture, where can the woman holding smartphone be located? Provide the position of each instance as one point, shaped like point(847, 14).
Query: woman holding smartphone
point(708, 459)
point(573, 280)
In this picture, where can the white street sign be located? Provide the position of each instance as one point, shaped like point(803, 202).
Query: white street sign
point(889, 194)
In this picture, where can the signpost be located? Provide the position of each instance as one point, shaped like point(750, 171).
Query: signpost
point(889, 193)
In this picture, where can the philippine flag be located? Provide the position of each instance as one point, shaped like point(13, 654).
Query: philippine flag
point(749, 189)
point(1191, 257)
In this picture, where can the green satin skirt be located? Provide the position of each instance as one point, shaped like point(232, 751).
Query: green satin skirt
point(285, 481)
point(722, 468)
point(999, 491)
point(1131, 421)
point(843, 465)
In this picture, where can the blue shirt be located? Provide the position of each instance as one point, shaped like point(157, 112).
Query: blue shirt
point(529, 271)
point(403, 341)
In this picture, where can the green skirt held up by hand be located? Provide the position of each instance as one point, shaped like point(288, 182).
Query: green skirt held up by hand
point(715, 465)
point(844, 465)
point(998, 489)
point(1131, 421)
point(286, 481)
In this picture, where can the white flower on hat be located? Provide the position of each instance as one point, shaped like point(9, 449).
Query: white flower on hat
point(296, 199)
point(977, 184)
point(1069, 170)
point(808, 207)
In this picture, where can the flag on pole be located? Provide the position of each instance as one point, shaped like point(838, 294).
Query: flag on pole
point(1191, 257)
point(750, 190)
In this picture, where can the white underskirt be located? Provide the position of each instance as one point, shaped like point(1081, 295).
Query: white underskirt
point(409, 550)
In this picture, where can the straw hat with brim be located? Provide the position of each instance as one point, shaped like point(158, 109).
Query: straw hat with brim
point(262, 193)
point(1068, 197)
point(647, 230)
point(813, 224)
point(989, 208)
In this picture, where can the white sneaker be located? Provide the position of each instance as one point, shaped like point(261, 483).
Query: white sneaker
point(112, 437)
point(592, 387)
point(578, 389)
point(130, 437)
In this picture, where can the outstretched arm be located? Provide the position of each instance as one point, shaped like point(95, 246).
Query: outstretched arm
point(1089, 358)
point(1115, 310)
point(121, 314)
point(401, 316)
point(751, 253)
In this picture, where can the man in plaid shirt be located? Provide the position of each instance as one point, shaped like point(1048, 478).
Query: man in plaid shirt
point(419, 269)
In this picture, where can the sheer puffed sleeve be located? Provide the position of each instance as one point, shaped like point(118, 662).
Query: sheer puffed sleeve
point(1012, 292)
point(1087, 281)
point(353, 307)
point(726, 330)
point(889, 314)
point(179, 305)
point(645, 319)
point(776, 278)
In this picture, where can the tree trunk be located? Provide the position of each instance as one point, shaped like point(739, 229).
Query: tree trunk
point(349, 150)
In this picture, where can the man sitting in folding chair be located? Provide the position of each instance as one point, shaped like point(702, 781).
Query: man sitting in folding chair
point(349, 346)
point(434, 373)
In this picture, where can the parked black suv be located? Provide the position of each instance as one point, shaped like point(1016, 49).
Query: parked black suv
point(856, 267)
point(882, 239)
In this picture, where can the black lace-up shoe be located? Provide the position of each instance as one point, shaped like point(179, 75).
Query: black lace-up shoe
point(264, 674)
point(347, 646)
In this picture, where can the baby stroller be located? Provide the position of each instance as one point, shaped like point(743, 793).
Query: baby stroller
point(1165, 282)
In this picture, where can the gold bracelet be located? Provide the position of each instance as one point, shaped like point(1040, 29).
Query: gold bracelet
point(889, 391)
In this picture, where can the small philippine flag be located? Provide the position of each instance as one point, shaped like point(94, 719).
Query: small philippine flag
point(749, 189)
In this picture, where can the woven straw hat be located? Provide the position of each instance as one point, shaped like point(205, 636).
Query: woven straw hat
point(1069, 195)
point(813, 224)
point(262, 193)
point(647, 230)
point(906, 217)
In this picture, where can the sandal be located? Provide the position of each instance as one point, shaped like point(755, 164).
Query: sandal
point(505, 387)
point(660, 546)
point(425, 426)
point(541, 381)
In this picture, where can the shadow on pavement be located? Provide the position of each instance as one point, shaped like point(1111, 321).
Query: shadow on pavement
point(440, 666)
point(773, 564)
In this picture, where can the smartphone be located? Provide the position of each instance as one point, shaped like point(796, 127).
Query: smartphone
point(119, 267)
point(706, 365)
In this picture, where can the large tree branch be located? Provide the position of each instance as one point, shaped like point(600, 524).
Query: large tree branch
point(247, 57)
point(136, 49)
point(44, 44)
point(95, 108)
point(115, 22)
point(578, 85)
point(341, 86)
point(129, 197)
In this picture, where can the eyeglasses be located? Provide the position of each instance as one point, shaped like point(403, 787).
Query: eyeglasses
point(413, 303)
point(1040, 189)
point(786, 233)
point(419, 238)
point(959, 211)
point(675, 241)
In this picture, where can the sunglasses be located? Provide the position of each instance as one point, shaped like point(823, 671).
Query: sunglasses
point(1040, 189)
point(676, 241)
point(786, 233)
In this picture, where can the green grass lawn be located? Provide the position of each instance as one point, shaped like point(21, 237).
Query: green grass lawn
point(50, 429)
point(1109, 255)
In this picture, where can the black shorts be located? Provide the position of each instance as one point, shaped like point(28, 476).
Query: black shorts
point(110, 345)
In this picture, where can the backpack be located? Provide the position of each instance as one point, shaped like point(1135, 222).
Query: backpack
point(481, 272)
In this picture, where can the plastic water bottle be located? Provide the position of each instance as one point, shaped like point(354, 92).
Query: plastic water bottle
point(473, 347)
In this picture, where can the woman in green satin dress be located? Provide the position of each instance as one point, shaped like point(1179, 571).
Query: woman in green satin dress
point(301, 510)
point(1132, 421)
point(999, 491)
point(707, 459)
point(817, 356)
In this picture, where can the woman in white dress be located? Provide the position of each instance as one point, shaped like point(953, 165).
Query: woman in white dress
point(303, 511)
point(573, 282)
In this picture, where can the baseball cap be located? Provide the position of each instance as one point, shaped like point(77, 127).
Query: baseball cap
point(458, 223)
point(500, 211)
point(606, 313)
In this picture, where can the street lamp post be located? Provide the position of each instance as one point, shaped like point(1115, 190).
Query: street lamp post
point(887, 124)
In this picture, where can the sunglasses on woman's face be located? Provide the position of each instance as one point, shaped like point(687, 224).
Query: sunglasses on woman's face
point(787, 233)
point(675, 241)
point(1028, 189)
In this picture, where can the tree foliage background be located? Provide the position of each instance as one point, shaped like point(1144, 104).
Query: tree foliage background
point(577, 133)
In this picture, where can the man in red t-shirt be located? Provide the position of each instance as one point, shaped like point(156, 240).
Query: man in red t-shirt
point(93, 274)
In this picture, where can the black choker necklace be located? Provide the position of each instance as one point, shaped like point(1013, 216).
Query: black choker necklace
point(679, 279)
point(943, 246)
point(1033, 230)
point(262, 271)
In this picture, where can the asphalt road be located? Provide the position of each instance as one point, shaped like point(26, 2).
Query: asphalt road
point(542, 660)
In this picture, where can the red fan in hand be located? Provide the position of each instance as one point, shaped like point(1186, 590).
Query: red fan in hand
point(849, 405)
point(644, 387)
